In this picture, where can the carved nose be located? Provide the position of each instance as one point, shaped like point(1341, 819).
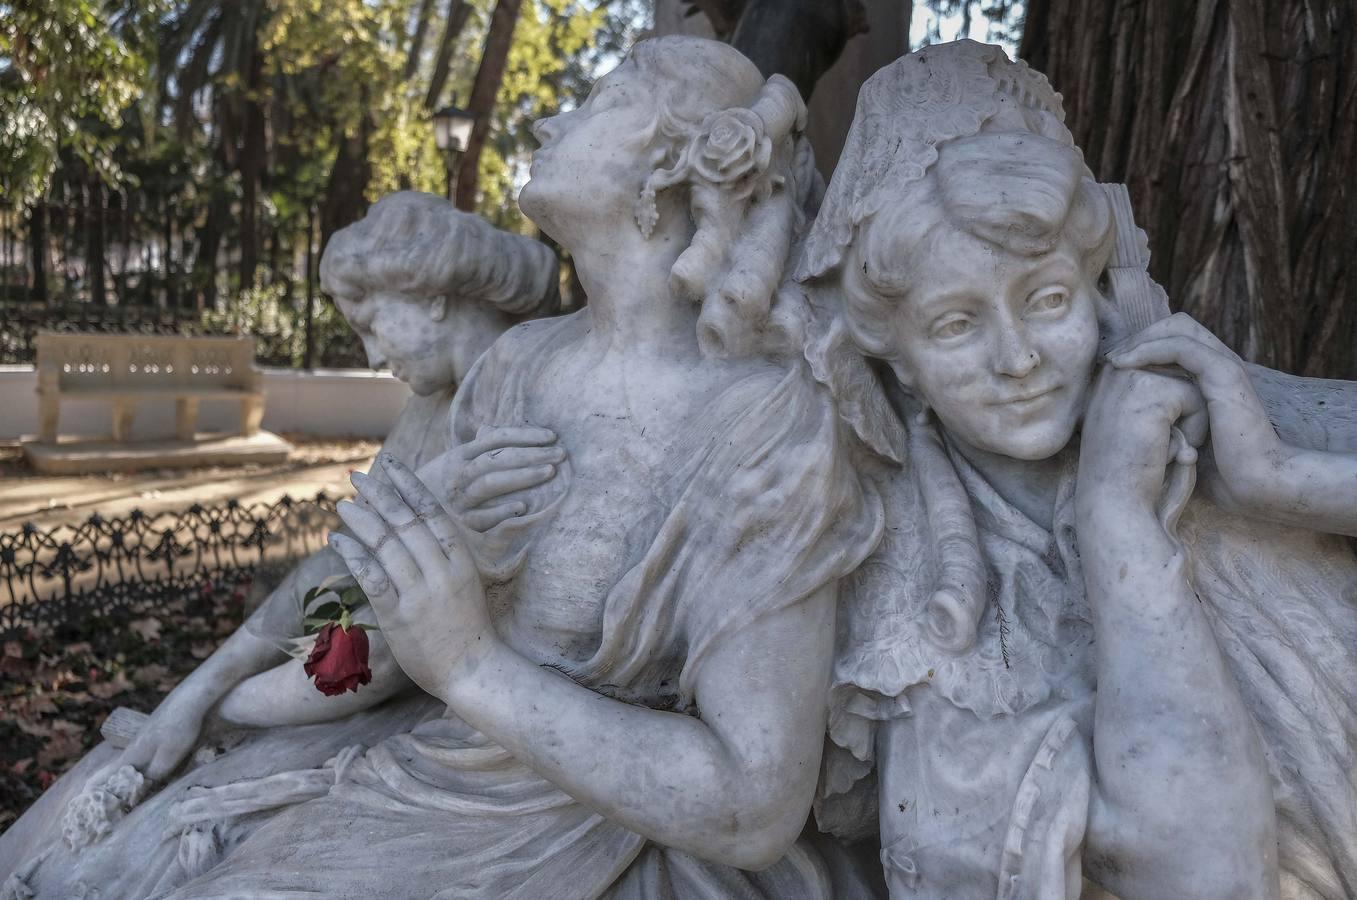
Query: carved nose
point(1016, 357)
point(542, 131)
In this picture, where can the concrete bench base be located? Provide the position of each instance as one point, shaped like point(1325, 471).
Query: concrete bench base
point(83, 456)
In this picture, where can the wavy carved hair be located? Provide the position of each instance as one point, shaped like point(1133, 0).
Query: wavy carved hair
point(1018, 191)
point(422, 245)
point(742, 240)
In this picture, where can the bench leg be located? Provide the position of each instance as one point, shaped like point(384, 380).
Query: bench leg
point(124, 410)
point(49, 412)
point(251, 414)
point(185, 418)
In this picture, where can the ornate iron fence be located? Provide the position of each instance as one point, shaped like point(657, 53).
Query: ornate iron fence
point(102, 565)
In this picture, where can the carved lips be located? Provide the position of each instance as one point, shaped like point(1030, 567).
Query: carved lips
point(1022, 400)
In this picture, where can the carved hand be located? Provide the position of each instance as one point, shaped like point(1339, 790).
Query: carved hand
point(1244, 445)
point(171, 733)
point(480, 475)
point(412, 562)
point(1128, 437)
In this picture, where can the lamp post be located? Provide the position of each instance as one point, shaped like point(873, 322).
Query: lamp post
point(452, 132)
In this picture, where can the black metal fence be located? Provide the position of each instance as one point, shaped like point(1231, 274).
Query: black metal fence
point(51, 576)
point(125, 264)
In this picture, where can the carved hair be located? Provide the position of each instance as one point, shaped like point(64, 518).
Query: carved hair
point(938, 135)
point(1047, 193)
point(732, 140)
point(422, 245)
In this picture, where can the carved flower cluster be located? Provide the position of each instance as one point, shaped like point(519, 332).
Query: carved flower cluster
point(92, 813)
point(731, 145)
point(732, 150)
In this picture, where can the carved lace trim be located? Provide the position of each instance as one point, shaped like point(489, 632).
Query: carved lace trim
point(904, 112)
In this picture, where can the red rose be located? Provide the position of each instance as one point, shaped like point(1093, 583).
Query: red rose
point(339, 661)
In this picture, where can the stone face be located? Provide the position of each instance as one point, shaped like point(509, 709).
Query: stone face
point(1076, 576)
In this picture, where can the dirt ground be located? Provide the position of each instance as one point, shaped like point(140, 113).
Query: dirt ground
point(47, 500)
point(57, 685)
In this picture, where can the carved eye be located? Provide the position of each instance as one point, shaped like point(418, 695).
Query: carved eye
point(954, 328)
point(1049, 300)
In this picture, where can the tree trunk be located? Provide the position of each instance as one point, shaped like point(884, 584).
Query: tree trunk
point(1231, 122)
point(458, 11)
point(799, 39)
point(483, 92)
point(209, 241)
point(94, 243)
point(37, 246)
point(171, 289)
point(309, 354)
point(417, 42)
point(251, 172)
point(345, 200)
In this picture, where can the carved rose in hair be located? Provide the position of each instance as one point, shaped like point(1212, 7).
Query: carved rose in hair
point(731, 145)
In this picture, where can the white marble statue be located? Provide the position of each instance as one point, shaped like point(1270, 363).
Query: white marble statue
point(1065, 582)
point(1062, 661)
point(631, 666)
point(427, 288)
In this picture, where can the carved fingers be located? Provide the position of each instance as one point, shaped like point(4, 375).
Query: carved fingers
point(1137, 423)
point(502, 461)
point(408, 556)
point(1181, 341)
point(1242, 435)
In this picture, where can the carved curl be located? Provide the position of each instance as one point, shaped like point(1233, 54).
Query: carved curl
point(742, 165)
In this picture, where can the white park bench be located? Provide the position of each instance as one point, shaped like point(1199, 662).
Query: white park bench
point(129, 368)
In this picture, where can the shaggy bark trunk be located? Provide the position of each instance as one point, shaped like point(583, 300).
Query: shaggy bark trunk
point(483, 92)
point(1232, 122)
point(94, 245)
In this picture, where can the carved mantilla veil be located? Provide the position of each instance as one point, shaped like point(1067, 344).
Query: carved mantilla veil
point(904, 113)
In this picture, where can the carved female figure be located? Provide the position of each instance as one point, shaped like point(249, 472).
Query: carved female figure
point(1061, 661)
point(427, 288)
point(634, 669)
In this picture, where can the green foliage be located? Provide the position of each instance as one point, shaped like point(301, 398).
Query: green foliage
point(68, 70)
point(239, 131)
point(559, 48)
point(350, 600)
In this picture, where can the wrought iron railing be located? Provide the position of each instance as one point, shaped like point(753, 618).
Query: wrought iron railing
point(139, 561)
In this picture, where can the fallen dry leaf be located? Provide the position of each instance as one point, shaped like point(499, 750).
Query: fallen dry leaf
point(148, 628)
point(110, 687)
point(154, 674)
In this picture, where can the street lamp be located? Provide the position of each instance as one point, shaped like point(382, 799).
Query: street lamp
point(452, 133)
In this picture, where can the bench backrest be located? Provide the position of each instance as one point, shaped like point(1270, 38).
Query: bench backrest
point(72, 362)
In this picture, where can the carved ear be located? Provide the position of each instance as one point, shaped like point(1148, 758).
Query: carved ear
point(438, 308)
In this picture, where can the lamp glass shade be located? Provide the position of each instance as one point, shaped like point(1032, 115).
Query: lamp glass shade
point(452, 128)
